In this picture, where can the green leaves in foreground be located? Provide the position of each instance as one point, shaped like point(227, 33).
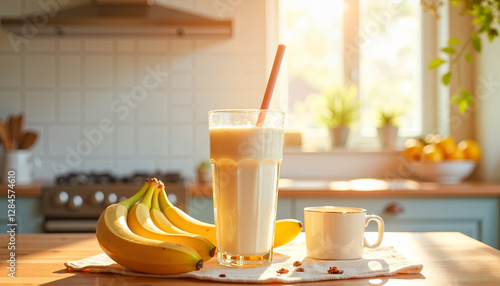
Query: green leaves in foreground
point(463, 99)
point(486, 17)
point(476, 42)
point(436, 63)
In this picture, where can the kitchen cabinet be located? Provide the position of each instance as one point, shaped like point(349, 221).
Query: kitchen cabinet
point(470, 208)
point(475, 217)
point(28, 214)
point(28, 208)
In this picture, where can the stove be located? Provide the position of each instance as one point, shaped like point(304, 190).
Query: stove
point(75, 201)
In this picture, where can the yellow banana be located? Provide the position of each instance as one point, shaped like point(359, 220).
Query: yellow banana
point(184, 221)
point(138, 253)
point(285, 230)
point(139, 221)
point(159, 218)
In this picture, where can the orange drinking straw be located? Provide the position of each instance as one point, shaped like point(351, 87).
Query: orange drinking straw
point(271, 83)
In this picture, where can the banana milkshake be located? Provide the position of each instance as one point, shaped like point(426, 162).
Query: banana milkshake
point(245, 165)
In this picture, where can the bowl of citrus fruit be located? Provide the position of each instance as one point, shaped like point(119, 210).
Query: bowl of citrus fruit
point(440, 159)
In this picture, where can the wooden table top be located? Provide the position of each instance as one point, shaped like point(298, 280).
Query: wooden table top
point(449, 258)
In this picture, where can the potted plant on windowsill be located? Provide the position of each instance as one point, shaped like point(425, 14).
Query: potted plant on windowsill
point(388, 127)
point(339, 110)
point(204, 172)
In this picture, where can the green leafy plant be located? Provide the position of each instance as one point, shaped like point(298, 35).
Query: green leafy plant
point(339, 106)
point(486, 18)
point(389, 116)
point(204, 164)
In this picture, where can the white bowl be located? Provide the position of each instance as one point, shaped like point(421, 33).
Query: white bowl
point(445, 172)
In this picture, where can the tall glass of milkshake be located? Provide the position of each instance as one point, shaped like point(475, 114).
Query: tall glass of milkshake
point(245, 157)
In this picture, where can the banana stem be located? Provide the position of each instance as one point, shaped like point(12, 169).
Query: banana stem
point(155, 205)
point(128, 203)
point(164, 202)
point(149, 195)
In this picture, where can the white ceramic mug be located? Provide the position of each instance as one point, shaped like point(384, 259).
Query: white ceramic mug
point(338, 232)
point(22, 162)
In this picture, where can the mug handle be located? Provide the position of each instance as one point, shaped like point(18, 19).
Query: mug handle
point(380, 223)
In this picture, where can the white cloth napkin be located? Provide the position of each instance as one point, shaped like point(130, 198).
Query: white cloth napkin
point(382, 261)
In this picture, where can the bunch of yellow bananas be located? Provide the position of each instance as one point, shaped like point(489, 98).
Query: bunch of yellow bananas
point(146, 233)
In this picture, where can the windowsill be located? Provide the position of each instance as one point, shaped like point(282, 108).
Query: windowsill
point(341, 151)
point(342, 164)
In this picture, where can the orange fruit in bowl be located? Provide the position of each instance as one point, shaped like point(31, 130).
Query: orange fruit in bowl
point(431, 152)
point(447, 145)
point(471, 149)
point(458, 154)
point(413, 149)
point(432, 138)
point(413, 142)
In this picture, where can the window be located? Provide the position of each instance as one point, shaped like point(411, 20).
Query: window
point(372, 44)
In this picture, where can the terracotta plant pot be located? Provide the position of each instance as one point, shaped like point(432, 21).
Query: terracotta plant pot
point(204, 175)
point(388, 135)
point(338, 136)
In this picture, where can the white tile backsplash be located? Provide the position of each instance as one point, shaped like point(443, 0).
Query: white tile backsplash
point(153, 140)
point(182, 80)
point(69, 45)
point(101, 142)
point(40, 71)
point(69, 106)
point(125, 140)
point(182, 63)
point(69, 71)
point(98, 45)
point(125, 45)
point(67, 85)
point(125, 71)
point(40, 105)
point(99, 71)
point(202, 144)
point(11, 103)
point(181, 115)
point(97, 105)
point(98, 165)
point(149, 68)
point(38, 45)
point(181, 97)
point(10, 71)
point(156, 45)
point(185, 47)
point(60, 138)
point(153, 109)
point(134, 164)
point(181, 140)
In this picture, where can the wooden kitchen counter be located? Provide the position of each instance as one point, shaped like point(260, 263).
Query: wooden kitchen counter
point(449, 258)
point(370, 188)
point(31, 190)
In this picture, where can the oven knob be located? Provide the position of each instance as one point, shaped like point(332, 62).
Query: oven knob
point(122, 198)
point(75, 202)
point(111, 199)
point(97, 198)
point(61, 199)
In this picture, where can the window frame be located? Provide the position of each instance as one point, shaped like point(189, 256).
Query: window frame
point(431, 104)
